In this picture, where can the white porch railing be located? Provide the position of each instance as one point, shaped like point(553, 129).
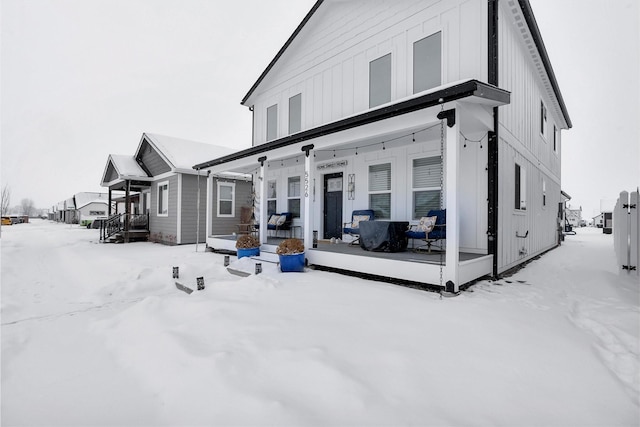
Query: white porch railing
point(626, 232)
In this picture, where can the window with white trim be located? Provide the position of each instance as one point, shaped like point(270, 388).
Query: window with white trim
point(380, 190)
point(226, 199)
point(271, 197)
point(293, 196)
point(426, 185)
point(380, 81)
point(427, 63)
point(97, 213)
point(520, 196)
point(163, 198)
point(544, 193)
point(272, 122)
point(295, 113)
point(555, 138)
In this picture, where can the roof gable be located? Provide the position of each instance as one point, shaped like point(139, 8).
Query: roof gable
point(120, 167)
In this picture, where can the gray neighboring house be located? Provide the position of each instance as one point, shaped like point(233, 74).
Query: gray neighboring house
point(158, 187)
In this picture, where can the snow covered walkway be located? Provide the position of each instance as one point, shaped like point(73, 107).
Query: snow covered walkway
point(98, 334)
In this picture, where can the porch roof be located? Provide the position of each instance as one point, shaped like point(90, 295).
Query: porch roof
point(481, 92)
point(126, 168)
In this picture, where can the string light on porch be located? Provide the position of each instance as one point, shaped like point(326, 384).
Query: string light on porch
point(473, 140)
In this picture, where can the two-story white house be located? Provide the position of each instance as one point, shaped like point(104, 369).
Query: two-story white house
point(402, 106)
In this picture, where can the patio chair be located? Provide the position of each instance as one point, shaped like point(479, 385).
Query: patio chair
point(431, 228)
point(280, 221)
point(352, 228)
point(247, 224)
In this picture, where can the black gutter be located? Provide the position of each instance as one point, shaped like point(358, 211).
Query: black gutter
point(492, 149)
point(537, 39)
point(453, 93)
point(282, 49)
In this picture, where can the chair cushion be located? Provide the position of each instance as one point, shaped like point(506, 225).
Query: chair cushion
point(427, 223)
point(281, 220)
point(273, 219)
point(357, 219)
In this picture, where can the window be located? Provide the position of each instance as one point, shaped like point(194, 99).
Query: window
point(380, 190)
point(295, 113)
point(427, 63)
point(226, 199)
point(555, 138)
point(97, 213)
point(426, 184)
point(520, 188)
point(271, 198)
point(293, 195)
point(543, 119)
point(380, 81)
point(163, 198)
point(544, 193)
point(272, 122)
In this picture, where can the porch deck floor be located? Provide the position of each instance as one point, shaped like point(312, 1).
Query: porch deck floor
point(435, 257)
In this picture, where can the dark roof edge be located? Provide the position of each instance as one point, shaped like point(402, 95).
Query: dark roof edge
point(282, 49)
point(537, 38)
point(451, 93)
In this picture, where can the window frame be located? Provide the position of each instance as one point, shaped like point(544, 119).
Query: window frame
point(232, 200)
point(271, 199)
point(415, 189)
point(297, 119)
point(416, 72)
point(388, 191)
point(543, 119)
point(374, 71)
point(297, 197)
point(272, 123)
point(160, 200)
point(520, 187)
point(555, 139)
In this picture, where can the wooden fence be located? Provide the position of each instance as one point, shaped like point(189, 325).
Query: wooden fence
point(626, 231)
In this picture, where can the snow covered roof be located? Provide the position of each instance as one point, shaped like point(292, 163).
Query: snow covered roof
point(182, 154)
point(126, 167)
point(84, 199)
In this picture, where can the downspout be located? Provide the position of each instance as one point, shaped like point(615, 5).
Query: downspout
point(198, 212)
point(492, 156)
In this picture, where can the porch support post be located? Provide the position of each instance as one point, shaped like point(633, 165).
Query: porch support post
point(109, 201)
point(208, 208)
point(308, 196)
point(127, 211)
point(452, 155)
point(262, 188)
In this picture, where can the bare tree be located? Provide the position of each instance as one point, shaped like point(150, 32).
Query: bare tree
point(6, 199)
point(27, 207)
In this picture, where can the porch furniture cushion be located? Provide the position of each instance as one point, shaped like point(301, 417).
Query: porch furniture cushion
point(281, 220)
point(384, 236)
point(273, 219)
point(357, 217)
point(427, 223)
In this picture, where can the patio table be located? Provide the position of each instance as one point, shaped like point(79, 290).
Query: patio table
point(383, 236)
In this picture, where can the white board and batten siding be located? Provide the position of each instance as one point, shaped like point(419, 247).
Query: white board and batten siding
point(328, 62)
point(523, 143)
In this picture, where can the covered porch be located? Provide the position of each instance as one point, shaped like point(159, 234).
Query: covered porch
point(447, 127)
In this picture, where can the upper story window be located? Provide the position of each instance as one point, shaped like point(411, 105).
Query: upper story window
point(380, 190)
point(520, 188)
point(163, 198)
point(544, 193)
point(555, 138)
point(427, 63)
point(272, 122)
point(380, 81)
point(543, 119)
point(295, 113)
point(426, 185)
point(293, 195)
point(226, 199)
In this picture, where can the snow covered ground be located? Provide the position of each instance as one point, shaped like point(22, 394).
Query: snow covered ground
point(97, 334)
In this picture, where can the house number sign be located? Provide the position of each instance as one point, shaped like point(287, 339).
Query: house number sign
point(306, 184)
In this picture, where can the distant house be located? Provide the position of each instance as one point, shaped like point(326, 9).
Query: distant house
point(574, 216)
point(91, 206)
point(157, 189)
point(401, 107)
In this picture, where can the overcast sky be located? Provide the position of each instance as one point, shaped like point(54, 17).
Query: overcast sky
point(81, 79)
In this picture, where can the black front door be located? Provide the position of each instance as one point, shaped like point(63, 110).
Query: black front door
point(333, 205)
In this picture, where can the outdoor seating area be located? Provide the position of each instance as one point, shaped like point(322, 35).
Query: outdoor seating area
point(353, 228)
point(430, 229)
